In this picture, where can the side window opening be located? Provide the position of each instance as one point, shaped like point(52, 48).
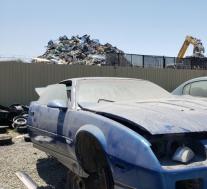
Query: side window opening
point(69, 88)
point(68, 85)
point(52, 92)
point(199, 89)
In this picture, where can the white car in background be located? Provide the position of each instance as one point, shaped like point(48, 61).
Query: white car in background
point(196, 87)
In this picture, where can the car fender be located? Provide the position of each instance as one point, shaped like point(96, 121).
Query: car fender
point(95, 132)
point(123, 143)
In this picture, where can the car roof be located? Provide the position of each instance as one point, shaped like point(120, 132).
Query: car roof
point(196, 79)
point(99, 78)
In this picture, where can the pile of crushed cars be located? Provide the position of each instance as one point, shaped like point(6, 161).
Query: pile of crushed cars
point(77, 50)
point(12, 117)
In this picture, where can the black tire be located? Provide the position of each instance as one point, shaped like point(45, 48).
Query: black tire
point(73, 181)
point(5, 139)
point(98, 180)
point(22, 129)
point(27, 138)
point(92, 159)
point(3, 129)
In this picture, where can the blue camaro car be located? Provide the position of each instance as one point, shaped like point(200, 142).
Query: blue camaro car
point(121, 133)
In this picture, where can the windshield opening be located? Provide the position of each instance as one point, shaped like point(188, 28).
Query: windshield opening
point(113, 90)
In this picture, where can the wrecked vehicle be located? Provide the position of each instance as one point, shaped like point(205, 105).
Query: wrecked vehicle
point(121, 133)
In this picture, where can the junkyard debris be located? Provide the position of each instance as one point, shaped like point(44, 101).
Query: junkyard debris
point(27, 138)
point(20, 123)
point(7, 114)
point(3, 129)
point(5, 139)
point(4, 115)
point(77, 50)
point(28, 182)
point(15, 116)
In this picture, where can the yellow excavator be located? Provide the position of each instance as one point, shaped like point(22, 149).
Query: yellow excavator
point(198, 48)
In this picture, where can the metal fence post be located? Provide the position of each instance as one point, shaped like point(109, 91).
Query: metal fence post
point(119, 64)
point(164, 62)
point(131, 60)
point(143, 61)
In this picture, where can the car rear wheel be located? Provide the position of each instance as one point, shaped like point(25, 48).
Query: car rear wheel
point(74, 181)
point(98, 180)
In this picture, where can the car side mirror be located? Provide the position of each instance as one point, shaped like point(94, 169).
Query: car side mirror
point(60, 104)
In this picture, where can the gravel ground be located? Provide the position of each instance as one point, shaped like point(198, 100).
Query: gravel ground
point(21, 156)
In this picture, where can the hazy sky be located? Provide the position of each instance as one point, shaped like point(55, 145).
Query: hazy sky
point(156, 27)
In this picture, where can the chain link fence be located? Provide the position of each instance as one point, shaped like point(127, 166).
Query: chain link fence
point(147, 61)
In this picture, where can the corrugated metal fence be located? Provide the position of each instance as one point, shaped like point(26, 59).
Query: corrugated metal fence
point(18, 80)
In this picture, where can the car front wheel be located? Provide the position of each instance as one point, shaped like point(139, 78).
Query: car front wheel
point(98, 180)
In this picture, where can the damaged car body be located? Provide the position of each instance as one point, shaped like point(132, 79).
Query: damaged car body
point(122, 133)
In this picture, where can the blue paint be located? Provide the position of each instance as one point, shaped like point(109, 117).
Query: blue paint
point(60, 122)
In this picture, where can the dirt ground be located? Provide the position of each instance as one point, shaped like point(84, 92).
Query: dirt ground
point(21, 156)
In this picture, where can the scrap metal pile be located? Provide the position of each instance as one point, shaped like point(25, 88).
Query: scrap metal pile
point(77, 50)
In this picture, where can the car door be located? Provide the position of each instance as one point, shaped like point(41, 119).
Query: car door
point(48, 118)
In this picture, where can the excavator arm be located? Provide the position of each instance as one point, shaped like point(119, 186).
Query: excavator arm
point(197, 44)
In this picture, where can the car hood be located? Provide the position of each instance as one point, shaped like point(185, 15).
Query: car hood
point(166, 116)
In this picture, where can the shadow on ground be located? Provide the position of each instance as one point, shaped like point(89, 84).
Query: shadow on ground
point(52, 172)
